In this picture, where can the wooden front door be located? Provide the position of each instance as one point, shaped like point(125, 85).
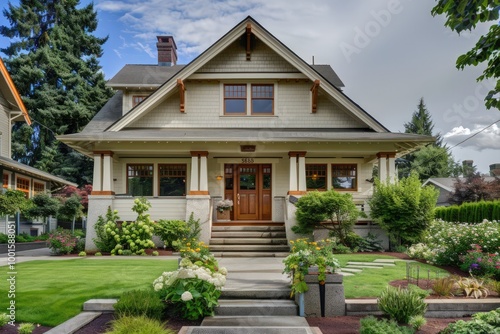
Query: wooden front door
point(250, 187)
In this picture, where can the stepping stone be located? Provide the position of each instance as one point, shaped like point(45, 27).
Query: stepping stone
point(350, 270)
point(372, 263)
point(385, 260)
point(368, 267)
point(346, 274)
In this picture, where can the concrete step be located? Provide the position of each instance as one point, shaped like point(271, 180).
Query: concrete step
point(248, 234)
point(255, 321)
point(350, 270)
point(249, 228)
point(249, 254)
point(249, 248)
point(256, 307)
point(248, 241)
point(240, 329)
point(277, 291)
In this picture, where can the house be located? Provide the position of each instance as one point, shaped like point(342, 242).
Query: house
point(247, 120)
point(16, 175)
point(446, 186)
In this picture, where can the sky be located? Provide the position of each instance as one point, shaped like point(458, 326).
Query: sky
point(388, 53)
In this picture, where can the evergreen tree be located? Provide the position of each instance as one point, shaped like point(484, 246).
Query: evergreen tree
point(421, 123)
point(53, 60)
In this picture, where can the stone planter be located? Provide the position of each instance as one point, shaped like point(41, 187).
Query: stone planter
point(224, 215)
point(334, 298)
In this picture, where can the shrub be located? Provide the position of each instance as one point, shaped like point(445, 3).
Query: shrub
point(471, 287)
point(4, 319)
point(481, 323)
point(82, 254)
point(170, 231)
point(479, 263)
point(26, 328)
point(155, 253)
point(138, 325)
point(444, 286)
point(494, 286)
point(446, 242)
point(3, 238)
point(191, 291)
point(106, 240)
point(370, 325)
point(140, 303)
point(401, 304)
point(98, 254)
point(61, 241)
point(470, 212)
point(417, 322)
point(24, 237)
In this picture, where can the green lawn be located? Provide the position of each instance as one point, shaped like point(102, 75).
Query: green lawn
point(51, 292)
point(371, 282)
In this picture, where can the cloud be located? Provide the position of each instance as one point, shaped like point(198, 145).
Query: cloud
point(117, 53)
point(480, 140)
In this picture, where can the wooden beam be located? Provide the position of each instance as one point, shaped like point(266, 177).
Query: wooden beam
point(249, 39)
point(314, 90)
point(182, 90)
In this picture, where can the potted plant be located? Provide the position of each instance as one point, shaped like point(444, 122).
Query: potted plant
point(223, 208)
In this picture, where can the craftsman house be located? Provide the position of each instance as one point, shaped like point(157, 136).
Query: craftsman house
point(247, 120)
point(16, 175)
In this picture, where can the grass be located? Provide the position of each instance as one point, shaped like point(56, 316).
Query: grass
point(51, 292)
point(371, 282)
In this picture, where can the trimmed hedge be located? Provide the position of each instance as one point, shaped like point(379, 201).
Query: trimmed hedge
point(473, 212)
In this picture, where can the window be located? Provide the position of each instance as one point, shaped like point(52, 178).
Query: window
point(24, 186)
point(315, 177)
point(262, 99)
point(344, 177)
point(172, 179)
point(235, 99)
point(136, 99)
point(6, 181)
point(38, 187)
point(140, 179)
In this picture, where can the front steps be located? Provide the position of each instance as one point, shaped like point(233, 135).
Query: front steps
point(249, 240)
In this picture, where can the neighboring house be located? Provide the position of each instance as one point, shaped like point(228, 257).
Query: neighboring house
point(247, 120)
point(16, 175)
point(446, 186)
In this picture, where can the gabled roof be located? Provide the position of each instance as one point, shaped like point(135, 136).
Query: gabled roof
point(12, 96)
point(448, 183)
point(272, 42)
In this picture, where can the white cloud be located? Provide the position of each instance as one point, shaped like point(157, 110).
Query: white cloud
point(480, 139)
point(117, 53)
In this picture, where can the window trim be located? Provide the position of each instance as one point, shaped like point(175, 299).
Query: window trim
point(180, 176)
point(356, 169)
point(36, 185)
point(24, 185)
point(248, 105)
point(142, 97)
point(252, 98)
point(152, 177)
point(325, 165)
point(235, 98)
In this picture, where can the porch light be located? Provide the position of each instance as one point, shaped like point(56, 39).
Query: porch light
point(219, 177)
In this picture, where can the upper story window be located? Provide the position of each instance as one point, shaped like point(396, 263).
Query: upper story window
point(344, 176)
point(140, 179)
point(262, 99)
point(172, 179)
point(136, 99)
point(235, 99)
point(24, 186)
point(38, 187)
point(316, 176)
point(237, 103)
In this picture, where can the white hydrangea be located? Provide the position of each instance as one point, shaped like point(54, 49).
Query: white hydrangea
point(158, 286)
point(186, 296)
point(223, 271)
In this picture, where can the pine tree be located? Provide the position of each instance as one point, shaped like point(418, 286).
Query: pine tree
point(421, 123)
point(53, 60)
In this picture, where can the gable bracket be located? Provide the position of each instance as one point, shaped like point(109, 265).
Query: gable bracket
point(249, 39)
point(182, 90)
point(314, 91)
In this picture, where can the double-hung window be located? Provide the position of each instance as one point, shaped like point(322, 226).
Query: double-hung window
point(140, 179)
point(344, 176)
point(172, 179)
point(237, 103)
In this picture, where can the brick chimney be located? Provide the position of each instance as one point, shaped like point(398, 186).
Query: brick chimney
point(468, 167)
point(167, 51)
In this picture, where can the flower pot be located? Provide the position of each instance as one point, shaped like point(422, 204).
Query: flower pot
point(223, 215)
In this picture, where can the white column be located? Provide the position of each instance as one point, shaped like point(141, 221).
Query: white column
point(382, 167)
point(293, 173)
point(302, 173)
point(194, 173)
point(97, 183)
point(107, 172)
point(203, 173)
point(391, 168)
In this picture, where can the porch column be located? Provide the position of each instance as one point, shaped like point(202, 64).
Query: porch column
point(387, 166)
point(382, 167)
point(97, 179)
point(302, 172)
point(199, 173)
point(107, 173)
point(391, 167)
point(299, 188)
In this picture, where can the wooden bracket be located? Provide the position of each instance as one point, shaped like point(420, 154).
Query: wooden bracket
point(249, 39)
point(314, 90)
point(182, 90)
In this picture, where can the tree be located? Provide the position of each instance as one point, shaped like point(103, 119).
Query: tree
point(71, 209)
point(474, 188)
point(464, 15)
point(329, 209)
point(421, 123)
point(404, 209)
point(82, 193)
point(43, 206)
point(12, 202)
point(53, 60)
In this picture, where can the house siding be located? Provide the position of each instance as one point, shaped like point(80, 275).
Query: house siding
point(4, 128)
point(172, 208)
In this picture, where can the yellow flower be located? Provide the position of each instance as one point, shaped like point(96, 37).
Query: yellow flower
point(317, 248)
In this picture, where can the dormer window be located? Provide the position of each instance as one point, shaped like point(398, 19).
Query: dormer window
point(236, 102)
point(136, 99)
